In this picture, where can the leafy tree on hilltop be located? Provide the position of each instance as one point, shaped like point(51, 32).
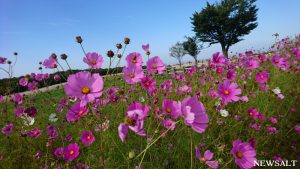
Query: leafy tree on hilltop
point(193, 48)
point(177, 51)
point(225, 22)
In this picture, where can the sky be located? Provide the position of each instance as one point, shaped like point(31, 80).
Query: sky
point(37, 28)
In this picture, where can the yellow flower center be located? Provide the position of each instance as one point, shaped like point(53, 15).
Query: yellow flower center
point(88, 137)
point(261, 76)
point(250, 113)
point(93, 62)
point(154, 66)
point(71, 152)
point(85, 90)
point(147, 83)
point(36, 132)
point(239, 154)
point(203, 159)
point(226, 92)
point(168, 110)
point(131, 75)
point(80, 112)
point(130, 121)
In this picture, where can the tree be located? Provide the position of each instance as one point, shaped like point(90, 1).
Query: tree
point(177, 51)
point(225, 22)
point(193, 48)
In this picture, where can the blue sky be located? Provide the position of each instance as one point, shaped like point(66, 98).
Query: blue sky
point(37, 28)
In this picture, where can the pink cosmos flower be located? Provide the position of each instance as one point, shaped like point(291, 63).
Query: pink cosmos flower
point(20, 110)
point(39, 77)
point(155, 65)
point(31, 111)
point(35, 133)
point(280, 62)
point(262, 77)
point(133, 74)
point(94, 60)
point(253, 113)
point(81, 166)
point(71, 152)
point(2, 60)
point(228, 92)
point(59, 152)
point(75, 112)
point(297, 128)
point(112, 90)
point(46, 76)
point(255, 126)
point(56, 77)
point(134, 120)
point(272, 130)
point(244, 154)
point(32, 85)
point(8, 129)
point(169, 124)
point(51, 131)
point(244, 99)
point(230, 75)
point(145, 47)
point(249, 53)
point(50, 63)
point(194, 114)
point(172, 108)
point(185, 88)
point(218, 60)
point(273, 120)
point(134, 59)
point(208, 155)
point(84, 86)
point(191, 71)
point(252, 63)
point(296, 51)
point(18, 98)
point(1, 98)
point(262, 57)
point(23, 81)
point(212, 94)
point(148, 83)
point(87, 138)
point(220, 70)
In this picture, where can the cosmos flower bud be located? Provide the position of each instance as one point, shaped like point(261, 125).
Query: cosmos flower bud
point(40, 63)
point(131, 154)
point(110, 53)
point(148, 52)
point(63, 56)
point(9, 62)
point(79, 39)
point(15, 53)
point(40, 68)
point(119, 56)
point(119, 45)
point(54, 56)
point(126, 41)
